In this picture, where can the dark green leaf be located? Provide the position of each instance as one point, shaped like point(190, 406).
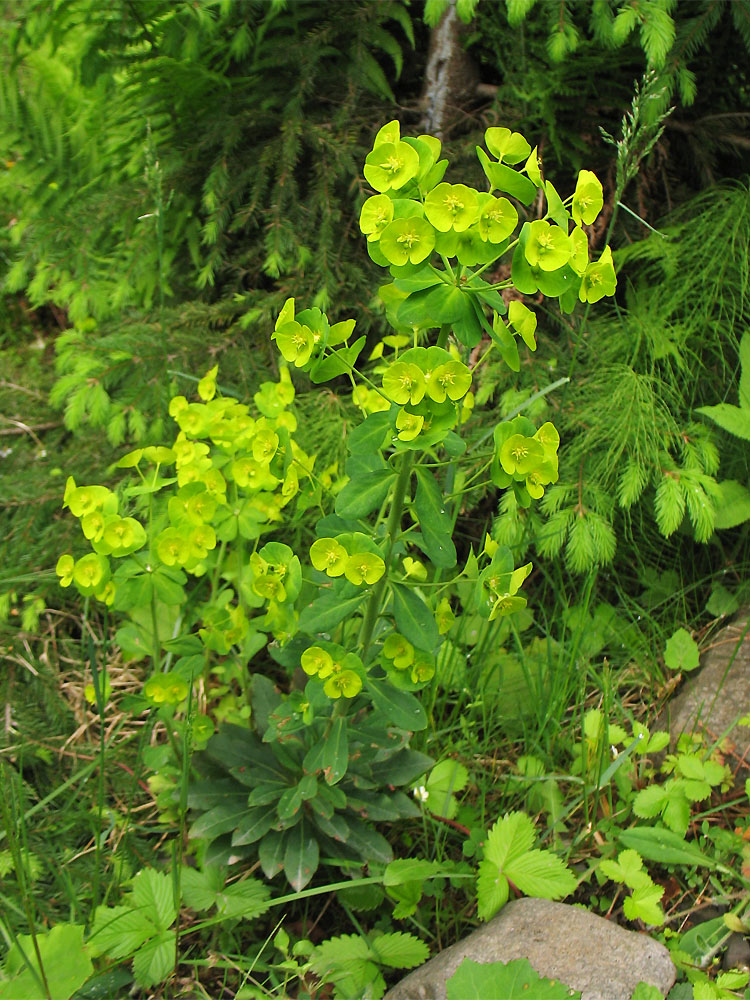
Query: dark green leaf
point(338, 362)
point(220, 819)
point(326, 613)
point(271, 852)
point(372, 434)
point(331, 754)
point(364, 494)
point(301, 856)
point(255, 824)
point(413, 618)
point(434, 521)
point(402, 768)
point(664, 846)
point(401, 708)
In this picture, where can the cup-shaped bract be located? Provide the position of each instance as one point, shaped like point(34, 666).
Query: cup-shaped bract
point(452, 206)
point(497, 218)
point(599, 279)
point(547, 246)
point(391, 165)
point(588, 198)
point(407, 241)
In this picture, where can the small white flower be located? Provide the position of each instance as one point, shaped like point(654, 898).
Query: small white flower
point(421, 794)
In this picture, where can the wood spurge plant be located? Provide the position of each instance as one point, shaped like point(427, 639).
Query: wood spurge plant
point(191, 551)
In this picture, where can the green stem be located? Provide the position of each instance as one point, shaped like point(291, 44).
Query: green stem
point(392, 531)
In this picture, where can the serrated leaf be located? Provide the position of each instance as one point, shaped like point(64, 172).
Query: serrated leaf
point(153, 894)
point(644, 904)
point(730, 418)
point(118, 931)
point(199, 888)
point(541, 874)
point(515, 980)
point(153, 962)
point(399, 950)
point(410, 870)
point(681, 651)
point(492, 890)
point(510, 837)
point(247, 900)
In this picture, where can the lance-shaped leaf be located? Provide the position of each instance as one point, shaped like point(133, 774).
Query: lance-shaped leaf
point(434, 521)
point(414, 619)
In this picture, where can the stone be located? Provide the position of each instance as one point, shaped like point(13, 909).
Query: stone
point(562, 942)
point(718, 694)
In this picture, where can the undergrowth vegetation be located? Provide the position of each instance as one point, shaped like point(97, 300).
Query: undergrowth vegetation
point(361, 511)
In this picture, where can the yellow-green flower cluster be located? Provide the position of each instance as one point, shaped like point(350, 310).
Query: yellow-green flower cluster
point(350, 555)
point(525, 457)
point(416, 212)
point(499, 584)
point(400, 655)
point(229, 474)
point(427, 383)
point(341, 672)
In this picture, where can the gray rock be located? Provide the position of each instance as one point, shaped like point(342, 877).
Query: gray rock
point(562, 942)
point(717, 695)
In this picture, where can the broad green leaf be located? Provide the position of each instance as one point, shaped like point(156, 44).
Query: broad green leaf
point(681, 652)
point(644, 904)
point(330, 754)
point(372, 434)
point(220, 819)
point(410, 870)
point(153, 962)
point(542, 874)
point(301, 856)
point(65, 960)
point(644, 991)
point(663, 846)
point(253, 825)
point(515, 980)
point(443, 781)
point(730, 418)
point(509, 181)
point(510, 837)
point(153, 894)
point(401, 769)
point(118, 931)
point(399, 951)
point(492, 890)
point(271, 852)
point(733, 507)
point(364, 494)
point(434, 521)
point(400, 708)
point(338, 362)
point(247, 900)
point(368, 843)
point(327, 611)
point(414, 619)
